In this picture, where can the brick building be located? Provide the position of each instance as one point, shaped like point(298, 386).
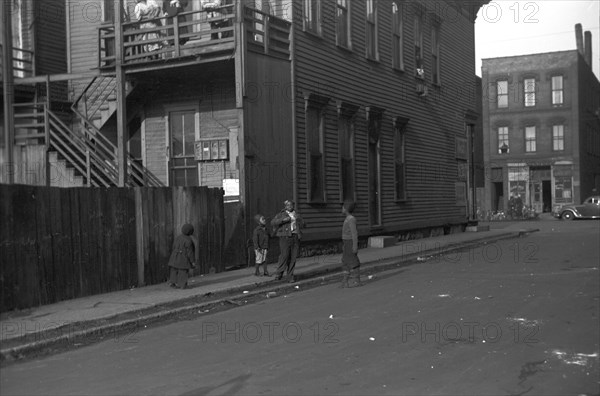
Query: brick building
point(541, 122)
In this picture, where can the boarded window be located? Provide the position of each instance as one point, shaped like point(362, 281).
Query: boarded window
point(346, 144)
point(315, 121)
point(400, 159)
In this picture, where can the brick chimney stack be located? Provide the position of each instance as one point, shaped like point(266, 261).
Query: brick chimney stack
point(588, 48)
point(579, 38)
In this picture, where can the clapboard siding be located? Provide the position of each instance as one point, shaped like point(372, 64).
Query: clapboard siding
point(84, 21)
point(217, 114)
point(268, 139)
point(50, 37)
point(435, 121)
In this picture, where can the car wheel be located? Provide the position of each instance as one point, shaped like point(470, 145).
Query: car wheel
point(568, 215)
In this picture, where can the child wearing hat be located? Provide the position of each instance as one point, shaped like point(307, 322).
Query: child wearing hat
point(260, 238)
point(182, 258)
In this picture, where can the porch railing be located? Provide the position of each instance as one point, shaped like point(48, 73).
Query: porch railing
point(23, 62)
point(266, 33)
point(87, 107)
point(190, 33)
point(92, 154)
point(207, 34)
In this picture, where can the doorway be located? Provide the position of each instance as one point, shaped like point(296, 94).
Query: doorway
point(182, 161)
point(497, 196)
point(547, 195)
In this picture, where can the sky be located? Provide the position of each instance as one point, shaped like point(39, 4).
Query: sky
point(510, 27)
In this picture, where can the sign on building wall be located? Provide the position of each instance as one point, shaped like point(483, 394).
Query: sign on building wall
point(461, 146)
point(231, 187)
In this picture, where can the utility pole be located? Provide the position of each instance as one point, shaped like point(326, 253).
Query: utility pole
point(8, 90)
point(121, 96)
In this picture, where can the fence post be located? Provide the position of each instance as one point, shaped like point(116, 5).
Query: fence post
point(139, 236)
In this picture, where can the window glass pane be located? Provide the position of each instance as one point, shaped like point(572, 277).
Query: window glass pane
point(189, 133)
point(502, 93)
point(529, 88)
point(557, 82)
point(176, 126)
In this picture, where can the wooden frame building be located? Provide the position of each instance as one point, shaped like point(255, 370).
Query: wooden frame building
point(318, 101)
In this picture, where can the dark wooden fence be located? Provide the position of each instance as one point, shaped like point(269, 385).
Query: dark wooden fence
point(58, 244)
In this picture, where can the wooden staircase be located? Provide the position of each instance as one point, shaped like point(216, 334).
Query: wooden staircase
point(80, 157)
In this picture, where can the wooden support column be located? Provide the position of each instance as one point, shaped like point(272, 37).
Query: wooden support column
point(121, 96)
point(8, 90)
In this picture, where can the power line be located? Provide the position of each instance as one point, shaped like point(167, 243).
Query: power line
point(532, 37)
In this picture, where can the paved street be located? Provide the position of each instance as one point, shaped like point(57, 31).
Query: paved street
point(514, 317)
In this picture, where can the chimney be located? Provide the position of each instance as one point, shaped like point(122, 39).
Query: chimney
point(588, 48)
point(579, 38)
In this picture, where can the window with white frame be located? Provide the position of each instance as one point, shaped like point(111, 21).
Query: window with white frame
point(397, 37)
point(557, 90)
point(312, 16)
point(502, 93)
point(343, 24)
point(503, 146)
point(435, 54)
point(558, 137)
point(371, 30)
point(530, 139)
point(529, 91)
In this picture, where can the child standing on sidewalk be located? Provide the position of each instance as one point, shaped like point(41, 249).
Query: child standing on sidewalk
point(182, 258)
point(260, 238)
point(350, 262)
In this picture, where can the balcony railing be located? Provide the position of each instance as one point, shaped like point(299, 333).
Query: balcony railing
point(266, 33)
point(189, 33)
point(23, 62)
point(202, 34)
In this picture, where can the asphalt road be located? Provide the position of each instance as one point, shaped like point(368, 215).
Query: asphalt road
point(516, 317)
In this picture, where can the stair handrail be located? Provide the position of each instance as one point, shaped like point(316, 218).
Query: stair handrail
point(102, 170)
point(104, 93)
point(135, 170)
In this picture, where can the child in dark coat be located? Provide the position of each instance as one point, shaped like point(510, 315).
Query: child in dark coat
point(260, 238)
point(350, 261)
point(182, 258)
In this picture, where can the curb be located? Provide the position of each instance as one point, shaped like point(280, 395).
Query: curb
point(122, 328)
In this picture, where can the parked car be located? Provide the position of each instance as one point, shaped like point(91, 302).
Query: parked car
point(589, 209)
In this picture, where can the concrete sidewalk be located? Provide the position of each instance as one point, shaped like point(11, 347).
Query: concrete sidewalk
point(91, 319)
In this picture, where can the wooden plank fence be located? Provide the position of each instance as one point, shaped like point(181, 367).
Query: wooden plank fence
point(58, 243)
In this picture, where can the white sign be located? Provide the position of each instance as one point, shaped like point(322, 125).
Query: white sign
point(231, 186)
